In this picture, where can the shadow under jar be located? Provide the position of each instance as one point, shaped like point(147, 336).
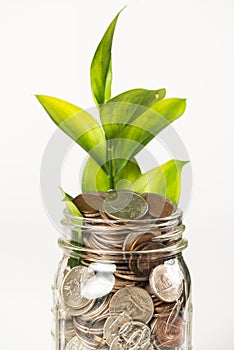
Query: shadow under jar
point(123, 285)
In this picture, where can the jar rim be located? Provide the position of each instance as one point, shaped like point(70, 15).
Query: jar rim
point(97, 233)
point(177, 215)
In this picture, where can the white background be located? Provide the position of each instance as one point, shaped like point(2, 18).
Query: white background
point(46, 47)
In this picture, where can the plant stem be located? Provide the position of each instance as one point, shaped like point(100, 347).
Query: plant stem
point(111, 164)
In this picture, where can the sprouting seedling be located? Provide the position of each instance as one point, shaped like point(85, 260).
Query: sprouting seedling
point(128, 122)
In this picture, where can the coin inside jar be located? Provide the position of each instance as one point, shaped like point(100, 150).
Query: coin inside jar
point(159, 206)
point(75, 344)
point(112, 327)
point(71, 289)
point(166, 281)
point(169, 334)
point(124, 205)
point(133, 302)
point(133, 335)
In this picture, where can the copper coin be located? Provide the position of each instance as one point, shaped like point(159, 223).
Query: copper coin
point(159, 206)
point(133, 302)
point(89, 203)
point(169, 334)
point(143, 239)
point(131, 276)
point(166, 281)
point(142, 264)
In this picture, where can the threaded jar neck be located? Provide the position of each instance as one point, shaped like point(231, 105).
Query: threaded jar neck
point(161, 236)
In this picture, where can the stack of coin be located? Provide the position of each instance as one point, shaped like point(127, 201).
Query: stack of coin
point(140, 298)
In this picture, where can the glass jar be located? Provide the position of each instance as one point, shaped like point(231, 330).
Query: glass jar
point(123, 284)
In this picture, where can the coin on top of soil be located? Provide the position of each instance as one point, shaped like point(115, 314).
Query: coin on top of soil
point(89, 202)
point(159, 206)
point(125, 205)
point(71, 289)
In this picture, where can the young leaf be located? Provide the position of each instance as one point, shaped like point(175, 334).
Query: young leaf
point(101, 66)
point(126, 107)
point(94, 178)
point(78, 124)
point(164, 180)
point(144, 128)
point(127, 175)
point(72, 209)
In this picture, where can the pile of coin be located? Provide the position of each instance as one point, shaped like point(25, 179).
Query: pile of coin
point(128, 293)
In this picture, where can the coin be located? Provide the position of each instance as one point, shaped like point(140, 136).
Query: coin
point(159, 206)
point(166, 281)
point(72, 287)
point(133, 302)
point(143, 239)
point(112, 327)
point(101, 306)
point(147, 261)
point(89, 203)
point(83, 310)
point(133, 336)
point(169, 334)
point(144, 288)
point(75, 344)
point(124, 205)
point(94, 326)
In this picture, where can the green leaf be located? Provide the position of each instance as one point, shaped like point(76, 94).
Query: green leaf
point(164, 180)
point(101, 66)
point(76, 232)
point(73, 262)
point(144, 128)
point(126, 107)
point(94, 178)
point(72, 209)
point(127, 175)
point(78, 124)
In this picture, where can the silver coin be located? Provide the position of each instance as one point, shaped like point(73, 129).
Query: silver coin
point(83, 311)
point(166, 281)
point(137, 339)
point(101, 306)
point(132, 302)
point(116, 344)
point(72, 287)
point(124, 205)
point(75, 344)
point(112, 327)
point(135, 335)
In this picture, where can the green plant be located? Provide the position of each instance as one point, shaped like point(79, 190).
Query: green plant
point(128, 122)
